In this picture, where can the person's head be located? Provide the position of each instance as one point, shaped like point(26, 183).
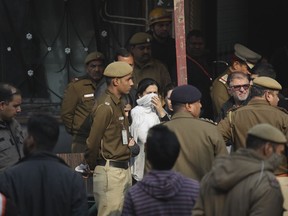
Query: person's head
point(267, 89)
point(147, 86)
point(264, 69)
point(167, 94)
point(119, 77)
point(160, 23)
point(10, 101)
point(238, 86)
point(124, 55)
point(186, 98)
point(42, 134)
point(162, 147)
point(140, 47)
point(266, 140)
point(95, 64)
point(244, 59)
point(196, 44)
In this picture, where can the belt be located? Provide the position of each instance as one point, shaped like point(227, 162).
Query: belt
point(116, 164)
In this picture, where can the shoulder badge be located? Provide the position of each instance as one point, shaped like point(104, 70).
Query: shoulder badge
point(107, 103)
point(223, 79)
point(209, 120)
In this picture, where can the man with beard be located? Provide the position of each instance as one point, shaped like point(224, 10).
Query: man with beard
point(244, 183)
point(79, 98)
point(239, 89)
point(199, 71)
point(145, 66)
point(11, 134)
point(163, 45)
point(262, 108)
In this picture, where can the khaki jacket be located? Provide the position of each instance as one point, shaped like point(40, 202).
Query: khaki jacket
point(200, 143)
point(240, 184)
point(105, 138)
point(153, 69)
point(219, 92)
point(236, 125)
point(77, 104)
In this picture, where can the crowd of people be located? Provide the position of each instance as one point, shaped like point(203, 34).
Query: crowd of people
point(214, 146)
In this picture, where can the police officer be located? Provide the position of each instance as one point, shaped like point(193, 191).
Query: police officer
point(163, 45)
point(109, 145)
point(200, 141)
point(262, 108)
point(243, 60)
point(244, 183)
point(79, 97)
point(145, 66)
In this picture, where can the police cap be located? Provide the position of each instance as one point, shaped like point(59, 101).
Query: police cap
point(247, 55)
point(268, 132)
point(118, 69)
point(140, 38)
point(185, 94)
point(267, 82)
point(94, 56)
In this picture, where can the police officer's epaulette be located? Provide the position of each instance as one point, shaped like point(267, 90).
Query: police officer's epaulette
point(75, 79)
point(209, 120)
point(283, 109)
point(223, 79)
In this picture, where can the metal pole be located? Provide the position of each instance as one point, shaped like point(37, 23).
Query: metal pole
point(180, 38)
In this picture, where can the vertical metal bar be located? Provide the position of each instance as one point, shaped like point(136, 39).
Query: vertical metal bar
point(180, 38)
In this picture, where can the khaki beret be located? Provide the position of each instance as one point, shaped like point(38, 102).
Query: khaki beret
point(185, 94)
point(268, 132)
point(94, 56)
point(267, 82)
point(140, 38)
point(247, 55)
point(118, 69)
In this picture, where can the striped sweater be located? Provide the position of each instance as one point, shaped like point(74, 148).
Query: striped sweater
point(161, 193)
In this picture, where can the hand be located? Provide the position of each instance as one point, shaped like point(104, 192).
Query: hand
point(131, 142)
point(158, 106)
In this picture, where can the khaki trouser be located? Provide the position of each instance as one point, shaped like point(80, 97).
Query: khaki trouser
point(110, 185)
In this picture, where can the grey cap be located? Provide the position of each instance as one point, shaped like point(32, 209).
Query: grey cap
point(247, 55)
point(118, 69)
point(267, 132)
point(267, 82)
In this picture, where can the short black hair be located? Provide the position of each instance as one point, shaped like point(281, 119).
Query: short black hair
point(7, 91)
point(121, 52)
point(162, 147)
point(45, 131)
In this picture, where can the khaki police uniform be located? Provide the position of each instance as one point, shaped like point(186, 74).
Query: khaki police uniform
point(219, 91)
point(107, 149)
point(200, 141)
point(153, 69)
point(77, 104)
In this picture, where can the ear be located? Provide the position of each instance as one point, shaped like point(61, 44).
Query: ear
point(2, 103)
point(268, 96)
point(267, 149)
point(236, 65)
point(188, 106)
point(115, 81)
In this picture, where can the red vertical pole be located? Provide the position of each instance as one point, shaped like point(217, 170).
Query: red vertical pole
point(180, 38)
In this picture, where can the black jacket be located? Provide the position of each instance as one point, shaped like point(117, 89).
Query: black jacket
point(43, 184)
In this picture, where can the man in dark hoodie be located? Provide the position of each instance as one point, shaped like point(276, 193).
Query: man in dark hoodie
point(243, 183)
point(161, 191)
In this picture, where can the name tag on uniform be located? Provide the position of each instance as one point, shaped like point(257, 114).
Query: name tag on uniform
point(89, 95)
point(121, 118)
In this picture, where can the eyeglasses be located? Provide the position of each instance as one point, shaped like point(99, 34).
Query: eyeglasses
point(238, 87)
